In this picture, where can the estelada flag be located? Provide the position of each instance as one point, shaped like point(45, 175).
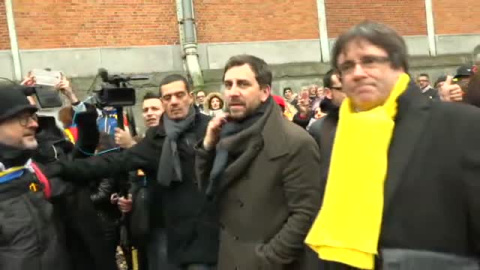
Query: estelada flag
point(72, 134)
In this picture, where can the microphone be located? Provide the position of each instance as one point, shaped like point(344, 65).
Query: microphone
point(103, 73)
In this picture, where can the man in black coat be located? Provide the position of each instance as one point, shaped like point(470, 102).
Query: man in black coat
point(29, 234)
point(323, 130)
point(423, 81)
point(166, 155)
point(411, 201)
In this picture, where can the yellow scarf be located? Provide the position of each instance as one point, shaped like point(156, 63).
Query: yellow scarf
point(348, 226)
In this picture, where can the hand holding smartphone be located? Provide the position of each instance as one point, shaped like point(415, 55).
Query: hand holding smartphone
point(46, 77)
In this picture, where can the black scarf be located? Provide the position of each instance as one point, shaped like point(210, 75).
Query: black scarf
point(229, 130)
point(11, 156)
point(170, 169)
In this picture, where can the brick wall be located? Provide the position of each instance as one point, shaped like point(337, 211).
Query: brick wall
point(4, 39)
point(86, 23)
point(457, 17)
point(407, 16)
point(256, 20)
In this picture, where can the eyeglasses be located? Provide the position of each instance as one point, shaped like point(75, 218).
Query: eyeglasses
point(24, 119)
point(367, 63)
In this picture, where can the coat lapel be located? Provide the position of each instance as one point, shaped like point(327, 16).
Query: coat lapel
point(413, 113)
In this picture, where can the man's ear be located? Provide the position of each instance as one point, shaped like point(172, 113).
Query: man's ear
point(266, 91)
point(328, 93)
point(192, 97)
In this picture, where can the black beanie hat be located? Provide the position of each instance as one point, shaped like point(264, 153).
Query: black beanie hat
point(13, 101)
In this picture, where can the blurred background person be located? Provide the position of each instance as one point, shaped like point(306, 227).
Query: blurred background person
point(213, 104)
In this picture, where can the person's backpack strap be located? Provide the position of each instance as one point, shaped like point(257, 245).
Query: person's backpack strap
point(47, 190)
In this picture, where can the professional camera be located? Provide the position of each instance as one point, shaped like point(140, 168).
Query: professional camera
point(116, 90)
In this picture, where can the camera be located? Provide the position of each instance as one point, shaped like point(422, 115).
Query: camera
point(116, 90)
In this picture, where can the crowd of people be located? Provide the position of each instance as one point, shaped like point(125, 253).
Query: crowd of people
point(376, 169)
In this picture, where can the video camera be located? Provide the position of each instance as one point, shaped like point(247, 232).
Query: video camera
point(116, 90)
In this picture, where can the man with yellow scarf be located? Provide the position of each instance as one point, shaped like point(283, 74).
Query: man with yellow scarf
point(403, 185)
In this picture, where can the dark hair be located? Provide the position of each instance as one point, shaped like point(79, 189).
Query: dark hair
point(327, 78)
point(423, 75)
point(173, 78)
point(260, 68)
point(286, 89)
point(379, 35)
point(210, 101)
point(199, 92)
point(472, 95)
point(150, 95)
point(439, 80)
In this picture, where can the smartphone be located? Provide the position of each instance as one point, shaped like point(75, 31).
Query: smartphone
point(46, 77)
point(48, 97)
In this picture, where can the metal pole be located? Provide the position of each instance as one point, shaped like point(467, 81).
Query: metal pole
point(190, 45)
point(322, 28)
point(430, 27)
point(13, 40)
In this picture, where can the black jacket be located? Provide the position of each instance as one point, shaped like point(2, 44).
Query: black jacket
point(84, 237)
point(190, 222)
point(30, 232)
point(323, 131)
point(432, 93)
point(303, 122)
point(431, 200)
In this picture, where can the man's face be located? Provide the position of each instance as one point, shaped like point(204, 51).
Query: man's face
point(176, 100)
point(243, 94)
point(200, 97)
point(423, 82)
point(19, 131)
point(367, 74)
point(151, 110)
point(320, 92)
point(288, 94)
point(335, 92)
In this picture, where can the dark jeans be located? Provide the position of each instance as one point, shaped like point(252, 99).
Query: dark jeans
point(157, 254)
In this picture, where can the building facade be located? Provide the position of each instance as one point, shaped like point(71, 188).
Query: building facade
point(142, 36)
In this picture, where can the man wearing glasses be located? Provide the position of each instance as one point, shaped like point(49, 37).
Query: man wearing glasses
point(200, 99)
point(166, 156)
point(397, 196)
point(28, 235)
point(323, 130)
